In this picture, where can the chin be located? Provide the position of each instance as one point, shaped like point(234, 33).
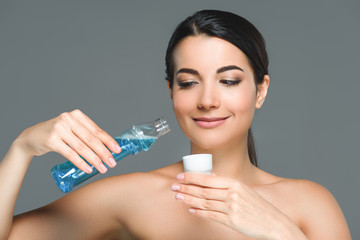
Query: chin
point(209, 141)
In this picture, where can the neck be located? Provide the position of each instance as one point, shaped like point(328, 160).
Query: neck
point(231, 161)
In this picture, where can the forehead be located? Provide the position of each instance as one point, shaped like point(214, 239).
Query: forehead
point(208, 52)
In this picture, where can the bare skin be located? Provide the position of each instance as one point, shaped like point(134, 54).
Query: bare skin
point(112, 209)
point(214, 107)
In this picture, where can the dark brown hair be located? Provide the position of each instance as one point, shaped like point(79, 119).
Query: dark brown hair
point(232, 28)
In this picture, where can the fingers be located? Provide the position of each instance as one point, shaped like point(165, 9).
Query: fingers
point(212, 215)
point(73, 156)
point(208, 196)
point(201, 192)
point(86, 139)
point(83, 150)
point(201, 203)
point(204, 180)
point(88, 145)
point(226, 201)
point(210, 209)
point(101, 134)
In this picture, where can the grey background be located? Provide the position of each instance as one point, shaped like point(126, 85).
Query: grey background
point(107, 59)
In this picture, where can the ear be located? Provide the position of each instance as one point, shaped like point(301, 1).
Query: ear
point(262, 90)
point(168, 84)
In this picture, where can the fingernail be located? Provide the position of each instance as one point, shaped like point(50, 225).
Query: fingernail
point(117, 148)
point(180, 176)
point(88, 169)
point(175, 187)
point(179, 196)
point(112, 162)
point(191, 210)
point(103, 168)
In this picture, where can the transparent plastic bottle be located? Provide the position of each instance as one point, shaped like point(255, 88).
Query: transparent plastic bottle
point(132, 141)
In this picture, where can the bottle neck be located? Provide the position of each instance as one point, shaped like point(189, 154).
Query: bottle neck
point(161, 126)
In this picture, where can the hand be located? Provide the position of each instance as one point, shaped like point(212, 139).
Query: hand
point(231, 203)
point(71, 134)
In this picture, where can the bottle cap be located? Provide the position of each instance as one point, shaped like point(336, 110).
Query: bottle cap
point(200, 163)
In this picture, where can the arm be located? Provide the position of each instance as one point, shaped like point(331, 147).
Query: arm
point(12, 171)
point(90, 212)
point(69, 134)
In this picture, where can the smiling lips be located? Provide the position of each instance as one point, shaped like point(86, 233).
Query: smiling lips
point(209, 122)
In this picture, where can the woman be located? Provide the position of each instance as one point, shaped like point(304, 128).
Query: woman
point(216, 66)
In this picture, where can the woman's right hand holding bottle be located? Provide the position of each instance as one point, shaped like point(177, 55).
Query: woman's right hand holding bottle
point(70, 134)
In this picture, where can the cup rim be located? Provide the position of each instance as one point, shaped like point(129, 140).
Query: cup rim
point(196, 156)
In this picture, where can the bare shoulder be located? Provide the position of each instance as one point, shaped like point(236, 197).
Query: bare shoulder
point(299, 191)
point(303, 188)
point(132, 187)
point(114, 200)
point(135, 189)
point(129, 186)
point(307, 193)
point(139, 180)
point(317, 210)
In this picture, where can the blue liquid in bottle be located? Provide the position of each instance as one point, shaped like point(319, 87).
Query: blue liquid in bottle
point(139, 138)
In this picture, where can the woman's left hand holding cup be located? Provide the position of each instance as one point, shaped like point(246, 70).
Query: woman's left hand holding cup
point(233, 204)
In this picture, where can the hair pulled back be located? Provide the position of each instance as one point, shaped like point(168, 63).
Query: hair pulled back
point(232, 28)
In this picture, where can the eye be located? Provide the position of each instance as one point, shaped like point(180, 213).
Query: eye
point(186, 84)
point(230, 83)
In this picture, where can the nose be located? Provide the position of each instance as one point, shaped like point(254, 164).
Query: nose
point(209, 97)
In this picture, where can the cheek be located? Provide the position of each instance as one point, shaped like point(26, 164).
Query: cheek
point(242, 102)
point(181, 103)
point(182, 106)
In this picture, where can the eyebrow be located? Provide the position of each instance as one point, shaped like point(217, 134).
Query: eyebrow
point(230, 67)
point(220, 70)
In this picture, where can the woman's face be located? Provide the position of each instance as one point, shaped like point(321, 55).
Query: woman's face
point(214, 93)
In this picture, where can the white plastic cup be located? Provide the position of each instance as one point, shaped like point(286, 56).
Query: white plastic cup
point(199, 163)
